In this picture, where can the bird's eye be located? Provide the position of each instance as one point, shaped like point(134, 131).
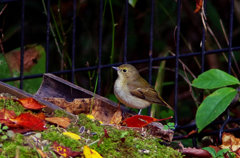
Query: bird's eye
point(124, 70)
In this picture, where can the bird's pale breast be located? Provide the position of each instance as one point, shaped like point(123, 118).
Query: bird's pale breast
point(125, 97)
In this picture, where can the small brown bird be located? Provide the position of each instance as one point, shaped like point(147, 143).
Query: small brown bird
point(134, 91)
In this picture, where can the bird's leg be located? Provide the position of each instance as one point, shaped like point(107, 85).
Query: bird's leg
point(139, 112)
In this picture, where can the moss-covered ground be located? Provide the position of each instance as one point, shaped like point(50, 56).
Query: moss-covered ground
point(108, 141)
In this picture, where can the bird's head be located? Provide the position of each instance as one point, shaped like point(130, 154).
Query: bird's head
point(127, 71)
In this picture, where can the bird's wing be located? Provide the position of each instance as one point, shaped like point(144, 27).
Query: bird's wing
point(146, 93)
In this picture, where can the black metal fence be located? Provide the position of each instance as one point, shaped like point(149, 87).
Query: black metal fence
point(100, 66)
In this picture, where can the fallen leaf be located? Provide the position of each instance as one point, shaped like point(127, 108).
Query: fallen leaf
point(229, 141)
point(30, 103)
point(31, 56)
point(141, 120)
point(64, 151)
point(77, 106)
point(90, 153)
point(29, 121)
point(193, 152)
point(92, 118)
point(61, 121)
point(5, 116)
point(199, 4)
point(117, 117)
point(72, 135)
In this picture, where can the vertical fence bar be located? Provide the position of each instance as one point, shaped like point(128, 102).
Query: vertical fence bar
point(73, 40)
point(229, 62)
point(22, 45)
point(100, 46)
point(151, 42)
point(151, 46)
point(125, 32)
point(47, 36)
point(177, 62)
point(230, 37)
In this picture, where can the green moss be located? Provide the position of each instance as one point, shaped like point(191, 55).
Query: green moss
point(54, 135)
point(120, 143)
point(16, 145)
point(124, 143)
point(60, 113)
point(11, 105)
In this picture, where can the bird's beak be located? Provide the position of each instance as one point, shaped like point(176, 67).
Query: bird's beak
point(115, 68)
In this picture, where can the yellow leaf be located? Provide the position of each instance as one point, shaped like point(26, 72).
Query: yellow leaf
point(90, 153)
point(72, 135)
point(90, 116)
point(93, 118)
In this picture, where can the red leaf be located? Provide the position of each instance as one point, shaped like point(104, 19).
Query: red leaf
point(139, 120)
point(30, 103)
point(64, 151)
point(6, 115)
point(199, 4)
point(29, 121)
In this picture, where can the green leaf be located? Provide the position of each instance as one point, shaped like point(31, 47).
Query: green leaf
point(214, 78)
point(211, 151)
point(213, 105)
point(132, 2)
point(4, 127)
point(165, 127)
point(221, 153)
point(4, 137)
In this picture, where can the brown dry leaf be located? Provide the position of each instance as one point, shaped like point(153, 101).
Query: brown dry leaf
point(117, 117)
point(31, 56)
point(77, 106)
point(101, 110)
point(61, 121)
point(229, 141)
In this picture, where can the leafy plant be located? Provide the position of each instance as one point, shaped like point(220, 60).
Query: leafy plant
point(132, 3)
point(169, 125)
point(5, 133)
point(220, 153)
point(217, 102)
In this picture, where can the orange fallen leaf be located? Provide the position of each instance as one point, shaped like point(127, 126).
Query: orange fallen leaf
point(61, 121)
point(64, 151)
point(6, 115)
point(30, 103)
point(199, 4)
point(29, 121)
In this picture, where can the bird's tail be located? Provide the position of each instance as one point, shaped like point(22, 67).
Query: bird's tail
point(165, 103)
